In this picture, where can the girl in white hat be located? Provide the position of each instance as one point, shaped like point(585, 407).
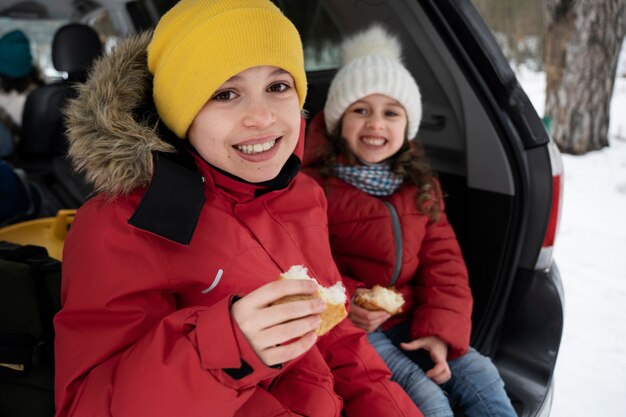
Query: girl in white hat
point(388, 227)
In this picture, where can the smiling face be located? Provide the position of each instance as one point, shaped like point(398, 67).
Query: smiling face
point(251, 124)
point(374, 128)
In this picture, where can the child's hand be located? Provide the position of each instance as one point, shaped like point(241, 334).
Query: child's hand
point(438, 350)
point(268, 328)
point(366, 319)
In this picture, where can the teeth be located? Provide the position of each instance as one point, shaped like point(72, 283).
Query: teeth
point(257, 148)
point(373, 141)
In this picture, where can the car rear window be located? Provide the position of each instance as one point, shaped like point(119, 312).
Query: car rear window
point(320, 35)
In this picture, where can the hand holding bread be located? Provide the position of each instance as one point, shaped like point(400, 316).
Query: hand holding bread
point(279, 333)
point(380, 298)
point(334, 298)
point(283, 318)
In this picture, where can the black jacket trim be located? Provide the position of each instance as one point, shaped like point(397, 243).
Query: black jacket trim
point(173, 201)
point(238, 373)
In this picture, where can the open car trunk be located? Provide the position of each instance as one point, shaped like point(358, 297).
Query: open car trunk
point(490, 151)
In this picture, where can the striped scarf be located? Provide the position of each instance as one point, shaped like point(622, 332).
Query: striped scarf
point(373, 179)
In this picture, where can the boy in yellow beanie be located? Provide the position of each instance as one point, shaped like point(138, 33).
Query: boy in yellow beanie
point(193, 138)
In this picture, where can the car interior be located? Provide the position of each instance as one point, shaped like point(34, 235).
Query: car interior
point(462, 138)
point(40, 152)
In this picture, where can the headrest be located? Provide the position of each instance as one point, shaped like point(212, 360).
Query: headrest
point(74, 48)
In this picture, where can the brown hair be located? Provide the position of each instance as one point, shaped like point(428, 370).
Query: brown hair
point(410, 162)
point(21, 84)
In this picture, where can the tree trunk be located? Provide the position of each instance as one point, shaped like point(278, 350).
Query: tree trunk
point(582, 45)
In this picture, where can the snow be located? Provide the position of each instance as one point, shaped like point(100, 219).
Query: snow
point(590, 251)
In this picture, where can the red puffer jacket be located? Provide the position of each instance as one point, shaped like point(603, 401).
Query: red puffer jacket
point(387, 241)
point(145, 328)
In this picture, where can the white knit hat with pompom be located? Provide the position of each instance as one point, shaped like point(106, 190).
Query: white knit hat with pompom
point(372, 64)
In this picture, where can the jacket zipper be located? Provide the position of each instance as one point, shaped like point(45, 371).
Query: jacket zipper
point(397, 237)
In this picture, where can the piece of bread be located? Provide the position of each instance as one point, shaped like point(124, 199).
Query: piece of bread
point(334, 297)
point(380, 298)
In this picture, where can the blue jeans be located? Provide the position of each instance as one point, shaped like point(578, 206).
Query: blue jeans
point(475, 385)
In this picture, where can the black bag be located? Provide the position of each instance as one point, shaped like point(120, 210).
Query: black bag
point(30, 287)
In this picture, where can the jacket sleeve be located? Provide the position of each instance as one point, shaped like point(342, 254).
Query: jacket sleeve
point(361, 377)
point(442, 293)
point(124, 349)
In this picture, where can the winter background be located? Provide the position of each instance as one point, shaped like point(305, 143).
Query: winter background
point(590, 251)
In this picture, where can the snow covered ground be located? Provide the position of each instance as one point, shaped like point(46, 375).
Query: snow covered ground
point(590, 251)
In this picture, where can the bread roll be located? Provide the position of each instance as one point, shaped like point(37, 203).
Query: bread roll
point(380, 298)
point(334, 297)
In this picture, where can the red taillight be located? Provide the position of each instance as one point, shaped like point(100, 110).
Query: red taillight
point(545, 256)
point(555, 209)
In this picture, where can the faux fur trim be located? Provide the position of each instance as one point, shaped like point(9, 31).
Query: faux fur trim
point(106, 141)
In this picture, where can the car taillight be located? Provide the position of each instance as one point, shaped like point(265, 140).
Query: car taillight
point(545, 255)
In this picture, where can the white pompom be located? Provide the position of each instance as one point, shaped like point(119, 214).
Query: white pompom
point(373, 41)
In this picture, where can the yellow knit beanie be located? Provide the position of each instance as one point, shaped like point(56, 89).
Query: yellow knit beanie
point(199, 44)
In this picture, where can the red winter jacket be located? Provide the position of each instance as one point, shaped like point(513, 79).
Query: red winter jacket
point(149, 278)
point(422, 259)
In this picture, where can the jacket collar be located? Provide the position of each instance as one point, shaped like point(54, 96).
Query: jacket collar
point(173, 201)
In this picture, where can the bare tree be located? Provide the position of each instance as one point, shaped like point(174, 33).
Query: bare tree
point(518, 28)
point(582, 45)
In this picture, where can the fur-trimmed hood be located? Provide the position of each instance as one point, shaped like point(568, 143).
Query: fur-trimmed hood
point(111, 136)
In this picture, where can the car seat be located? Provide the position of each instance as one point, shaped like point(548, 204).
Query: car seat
point(6, 141)
point(41, 152)
point(9, 133)
point(74, 48)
